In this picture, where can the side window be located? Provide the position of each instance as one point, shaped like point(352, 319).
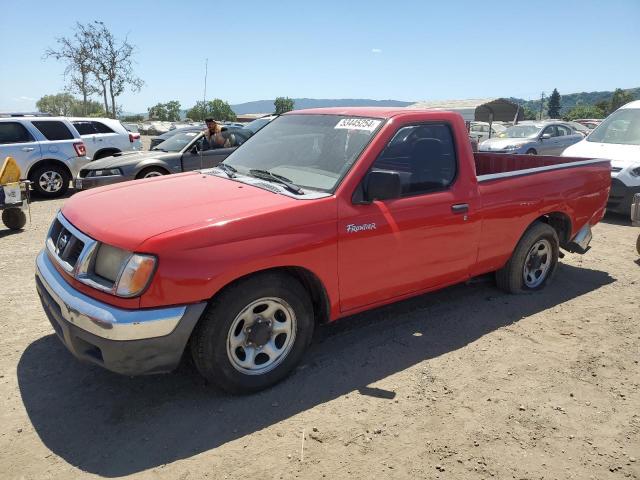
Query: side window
point(13, 132)
point(424, 155)
point(84, 128)
point(563, 131)
point(53, 129)
point(551, 130)
point(101, 127)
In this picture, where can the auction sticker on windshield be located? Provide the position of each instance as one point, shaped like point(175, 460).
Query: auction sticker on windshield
point(365, 124)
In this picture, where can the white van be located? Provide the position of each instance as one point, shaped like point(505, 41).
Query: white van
point(617, 138)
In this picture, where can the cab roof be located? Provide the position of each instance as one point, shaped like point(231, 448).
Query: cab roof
point(375, 112)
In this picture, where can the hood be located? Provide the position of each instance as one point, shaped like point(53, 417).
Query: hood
point(126, 158)
point(621, 156)
point(501, 143)
point(126, 214)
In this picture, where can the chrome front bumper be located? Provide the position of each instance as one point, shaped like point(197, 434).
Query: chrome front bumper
point(130, 342)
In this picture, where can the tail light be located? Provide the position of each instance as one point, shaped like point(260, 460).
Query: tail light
point(133, 137)
point(80, 149)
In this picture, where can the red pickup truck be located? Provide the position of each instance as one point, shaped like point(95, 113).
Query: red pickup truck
point(322, 214)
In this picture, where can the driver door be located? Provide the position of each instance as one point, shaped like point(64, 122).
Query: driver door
point(196, 158)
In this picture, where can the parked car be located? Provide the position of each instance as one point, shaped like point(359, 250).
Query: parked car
point(258, 123)
point(48, 150)
point(321, 214)
point(158, 139)
point(131, 127)
point(635, 217)
point(182, 152)
point(580, 128)
point(590, 123)
point(105, 136)
point(617, 138)
point(480, 130)
point(533, 138)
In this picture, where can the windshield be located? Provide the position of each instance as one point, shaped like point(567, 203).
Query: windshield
point(520, 131)
point(312, 151)
point(177, 142)
point(622, 127)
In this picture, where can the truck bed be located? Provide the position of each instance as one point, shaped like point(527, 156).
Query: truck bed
point(491, 165)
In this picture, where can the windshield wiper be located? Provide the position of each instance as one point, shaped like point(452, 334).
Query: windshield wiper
point(274, 177)
point(228, 169)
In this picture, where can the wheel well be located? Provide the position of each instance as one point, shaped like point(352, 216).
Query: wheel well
point(108, 151)
point(561, 223)
point(150, 167)
point(310, 282)
point(42, 163)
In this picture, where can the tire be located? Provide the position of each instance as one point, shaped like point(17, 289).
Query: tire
point(151, 172)
point(638, 245)
point(50, 181)
point(245, 368)
point(522, 273)
point(532, 151)
point(14, 218)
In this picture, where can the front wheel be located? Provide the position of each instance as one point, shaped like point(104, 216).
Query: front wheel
point(532, 151)
point(151, 172)
point(254, 333)
point(14, 218)
point(50, 181)
point(533, 261)
point(638, 244)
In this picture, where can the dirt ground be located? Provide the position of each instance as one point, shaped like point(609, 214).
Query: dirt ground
point(465, 383)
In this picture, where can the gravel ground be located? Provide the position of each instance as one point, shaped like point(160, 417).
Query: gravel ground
point(465, 383)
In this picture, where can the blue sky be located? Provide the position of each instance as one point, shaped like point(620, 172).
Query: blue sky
point(403, 50)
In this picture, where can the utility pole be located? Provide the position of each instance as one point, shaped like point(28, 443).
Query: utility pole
point(541, 104)
point(204, 96)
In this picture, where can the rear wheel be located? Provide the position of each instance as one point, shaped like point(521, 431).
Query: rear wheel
point(532, 151)
point(14, 218)
point(533, 261)
point(50, 181)
point(151, 172)
point(638, 244)
point(254, 333)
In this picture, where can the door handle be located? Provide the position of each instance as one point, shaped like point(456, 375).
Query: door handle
point(28, 149)
point(460, 208)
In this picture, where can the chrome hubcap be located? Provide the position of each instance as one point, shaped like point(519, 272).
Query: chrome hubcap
point(537, 264)
point(152, 174)
point(261, 336)
point(50, 181)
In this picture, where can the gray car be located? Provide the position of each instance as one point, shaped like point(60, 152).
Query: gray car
point(182, 152)
point(533, 138)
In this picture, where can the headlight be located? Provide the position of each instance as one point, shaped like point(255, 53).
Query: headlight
point(104, 173)
point(635, 172)
point(120, 272)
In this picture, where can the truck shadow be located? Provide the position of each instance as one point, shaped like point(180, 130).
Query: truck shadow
point(113, 426)
point(617, 219)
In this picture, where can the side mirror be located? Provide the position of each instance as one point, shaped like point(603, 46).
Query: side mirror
point(545, 136)
point(382, 185)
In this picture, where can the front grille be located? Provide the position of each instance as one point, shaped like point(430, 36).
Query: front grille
point(64, 244)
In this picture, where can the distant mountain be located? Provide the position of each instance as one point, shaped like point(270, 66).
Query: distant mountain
point(570, 100)
point(266, 106)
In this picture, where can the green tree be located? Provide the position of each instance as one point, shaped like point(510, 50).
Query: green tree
point(216, 109)
point(528, 114)
point(158, 112)
point(604, 106)
point(619, 98)
point(283, 105)
point(173, 110)
point(132, 118)
point(58, 104)
point(584, 111)
point(554, 106)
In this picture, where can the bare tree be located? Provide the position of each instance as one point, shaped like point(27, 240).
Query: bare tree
point(76, 53)
point(113, 63)
point(97, 62)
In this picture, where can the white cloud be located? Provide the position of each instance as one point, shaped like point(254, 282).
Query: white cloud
point(376, 50)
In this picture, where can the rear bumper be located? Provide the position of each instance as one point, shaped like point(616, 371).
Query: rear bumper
point(130, 342)
point(621, 197)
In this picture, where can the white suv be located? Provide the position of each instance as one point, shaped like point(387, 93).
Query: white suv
point(105, 136)
point(48, 150)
